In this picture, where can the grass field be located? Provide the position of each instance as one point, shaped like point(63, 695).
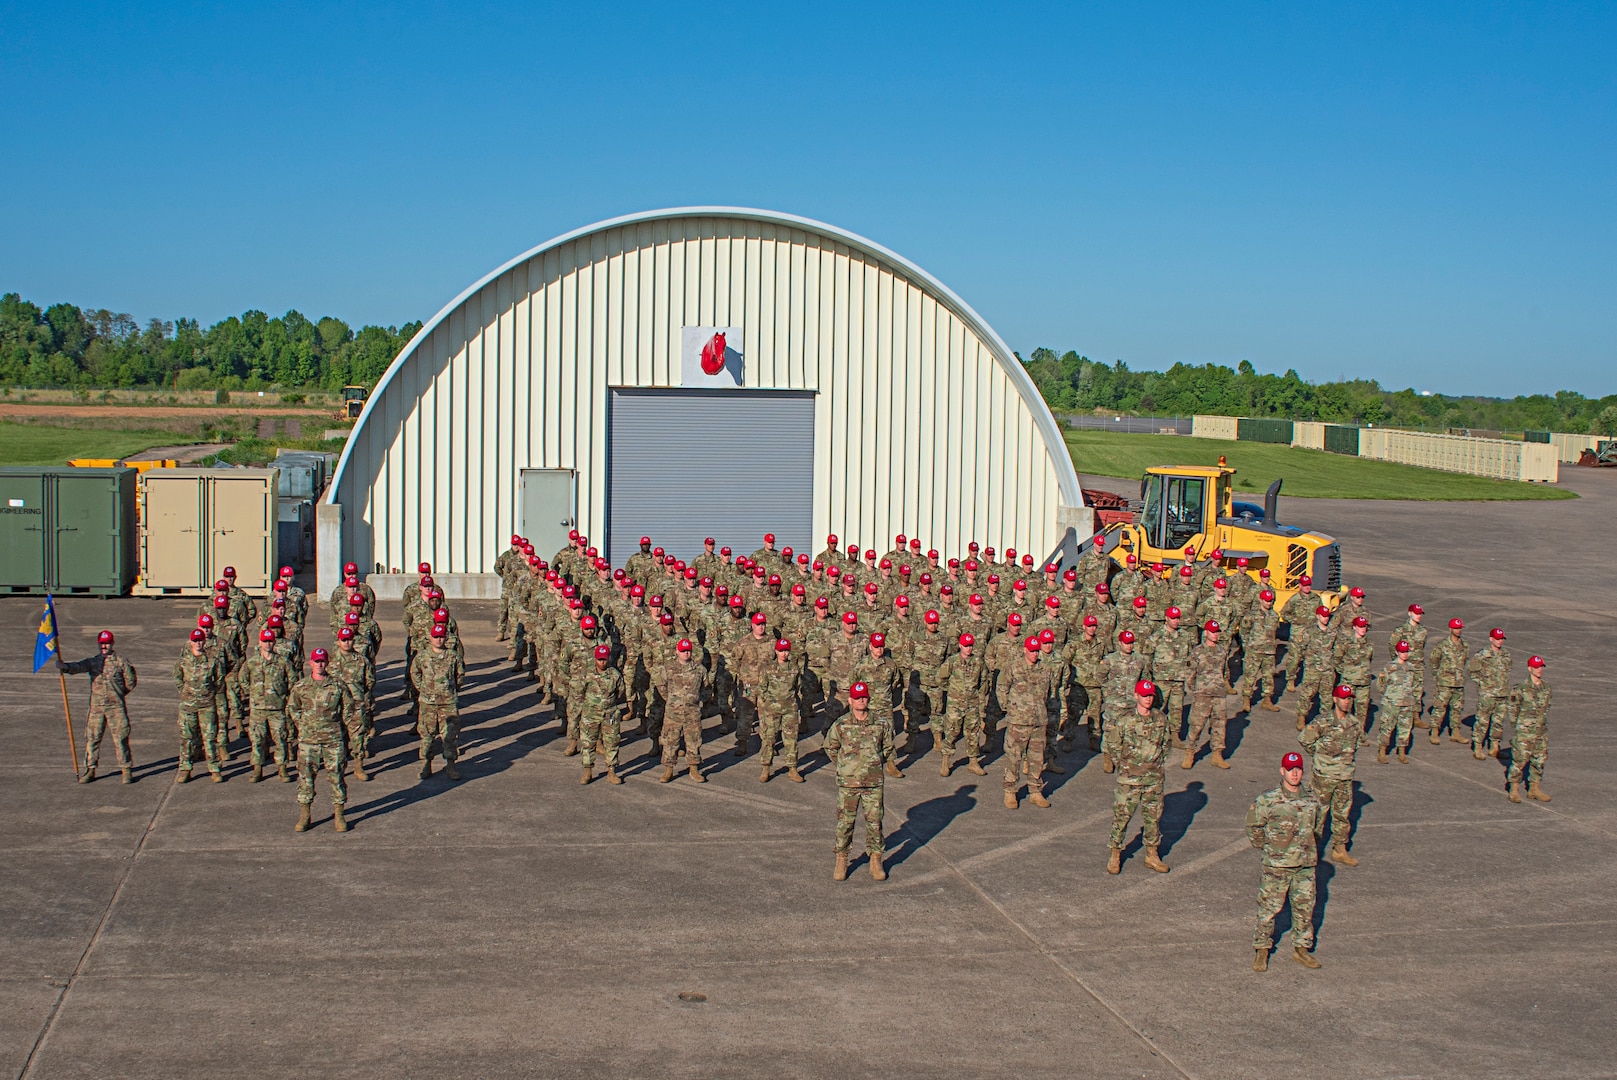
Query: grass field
point(1308, 473)
point(39, 444)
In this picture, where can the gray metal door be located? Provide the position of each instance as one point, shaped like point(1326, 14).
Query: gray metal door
point(545, 502)
point(730, 464)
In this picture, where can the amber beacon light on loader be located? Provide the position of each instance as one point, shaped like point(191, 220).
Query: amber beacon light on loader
point(1193, 506)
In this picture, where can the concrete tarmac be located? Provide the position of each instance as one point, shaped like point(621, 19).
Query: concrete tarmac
point(518, 924)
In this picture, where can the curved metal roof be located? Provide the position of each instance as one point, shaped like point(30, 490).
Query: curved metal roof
point(1067, 475)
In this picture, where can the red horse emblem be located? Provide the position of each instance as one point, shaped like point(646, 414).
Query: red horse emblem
point(713, 355)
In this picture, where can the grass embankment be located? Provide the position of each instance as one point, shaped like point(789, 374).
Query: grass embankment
point(37, 444)
point(1308, 473)
point(259, 452)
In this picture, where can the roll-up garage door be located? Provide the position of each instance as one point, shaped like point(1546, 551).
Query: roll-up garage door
point(730, 464)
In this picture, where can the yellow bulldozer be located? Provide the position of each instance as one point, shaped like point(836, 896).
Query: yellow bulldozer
point(1194, 506)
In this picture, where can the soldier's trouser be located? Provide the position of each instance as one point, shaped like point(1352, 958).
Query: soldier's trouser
point(1092, 696)
point(1277, 883)
point(199, 728)
point(1207, 713)
point(439, 723)
point(1259, 673)
point(1173, 701)
point(1394, 720)
point(101, 716)
point(724, 694)
point(1137, 793)
point(1337, 797)
point(270, 736)
point(1527, 754)
point(409, 662)
point(746, 718)
point(686, 724)
point(813, 690)
point(312, 757)
point(850, 802)
point(503, 625)
point(918, 707)
point(1361, 705)
point(608, 730)
point(1448, 704)
point(656, 714)
point(782, 725)
point(1110, 710)
point(639, 690)
point(1489, 723)
point(1024, 746)
point(359, 725)
point(1315, 686)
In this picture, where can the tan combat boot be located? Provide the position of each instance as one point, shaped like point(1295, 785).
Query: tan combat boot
point(450, 770)
point(841, 871)
point(1260, 960)
point(86, 776)
point(1154, 862)
point(337, 820)
point(281, 771)
point(1305, 958)
point(612, 776)
point(945, 767)
point(1301, 723)
point(1268, 706)
point(696, 774)
point(1106, 763)
point(572, 748)
point(303, 819)
point(668, 774)
point(877, 871)
point(1010, 800)
point(894, 770)
point(975, 767)
point(589, 774)
point(1218, 761)
point(1403, 757)
point(1190, 758)
point(1477, 752)
point(1435, 739)
point(1536, 792)
point(1381, 756)
point(183, 776)
point(218, 777)
point(1036, 797)
point(1114, 861)
point(1340, 856)
point(258, 773)
point(793, 775)
point(426, 769)
point(763, 777)
point(1051, 766)
point(129, 775)
point(1515, 794)
point(359, 771)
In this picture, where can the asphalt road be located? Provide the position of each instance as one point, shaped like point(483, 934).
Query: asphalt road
point(518, 924)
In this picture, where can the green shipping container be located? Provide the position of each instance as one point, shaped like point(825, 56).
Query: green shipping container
point(1250, 429)
point(1536, 436)
point(67, 531)
point(1342, 439)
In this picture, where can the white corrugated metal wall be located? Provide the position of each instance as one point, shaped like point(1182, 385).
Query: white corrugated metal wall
point(920, 427)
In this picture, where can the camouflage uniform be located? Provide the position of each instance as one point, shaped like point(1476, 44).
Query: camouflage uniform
point(1286, 827)
point(1259, 647)
point(1448, 681)
point(926, 654)
point(199, 679)
point(1169, 667)
point(1122, 670)
point(1332, 741)
point(1414, 633)
point(1530, 746)
point(859, 749)
point(1087, 658)
point(684, 687)
point(111, 679)
point(886, 682)
point(359, 673)
point(1396, 713)
point(601, 704)
point(1491, 669)
point(963, 685)
point(1029, 692)
point(1313, 649)
point(778, 687)
point(267, 684)
point(437, 675)
point(1206, 682)
point(1352, 659)
point(317, 707)
point(1140, 745)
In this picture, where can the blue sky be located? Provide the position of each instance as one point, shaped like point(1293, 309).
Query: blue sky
point(1419, 194)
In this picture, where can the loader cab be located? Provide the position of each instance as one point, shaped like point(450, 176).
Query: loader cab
point(1179, 505)
point(354, 400)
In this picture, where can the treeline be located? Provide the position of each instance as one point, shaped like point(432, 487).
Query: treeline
point(1074, 383)
point(67, 346)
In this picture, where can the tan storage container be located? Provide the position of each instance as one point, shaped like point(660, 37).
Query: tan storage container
point(1214, 427)
point(196, 522)
point(1308, 434)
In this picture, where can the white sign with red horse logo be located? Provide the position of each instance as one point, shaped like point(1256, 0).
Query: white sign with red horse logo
point(710, 356)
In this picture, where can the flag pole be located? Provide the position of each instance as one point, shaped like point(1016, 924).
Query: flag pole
point(68, 715)
point(55, 646)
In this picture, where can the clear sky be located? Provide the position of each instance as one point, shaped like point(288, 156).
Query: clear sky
point(1422, 194)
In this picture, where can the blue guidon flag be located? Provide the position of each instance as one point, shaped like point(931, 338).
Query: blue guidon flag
point(45, 643)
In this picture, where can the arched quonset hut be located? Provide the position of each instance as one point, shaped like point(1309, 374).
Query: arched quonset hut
point(586, 381)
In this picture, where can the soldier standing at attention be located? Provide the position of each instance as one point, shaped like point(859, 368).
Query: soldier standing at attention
point(1491, 669)
point(199, 677)
point(1448, 683)
point(266, 682)
point(1027, 691)
point(1353, 656)
point(858, 744)
point(963, 686)
point(356, 670)
point(1259, 647)
point(1169, 667)
point(1285, 824)
point(438, 674)
point(1333, 740)
point(1414, 634)
point(778, 688)
point(111, 679)
point(1397, 711)
point(1086, 656)
point(1140, 740)
point(318, 704)
point(684, 687)
point(1530, 708)
point(1312, 648)
point(1207, 685)
point(507, 565)
point(602, 705)
point(1124, 668)
point(884, 680)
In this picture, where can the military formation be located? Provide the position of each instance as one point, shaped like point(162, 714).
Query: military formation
point(890, 656)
